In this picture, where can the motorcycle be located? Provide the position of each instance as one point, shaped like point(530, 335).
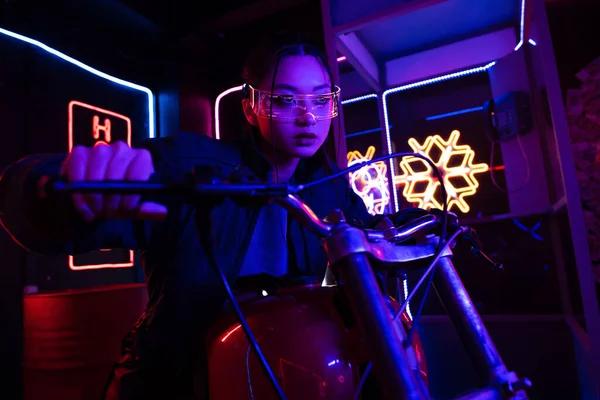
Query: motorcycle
point(322, 339)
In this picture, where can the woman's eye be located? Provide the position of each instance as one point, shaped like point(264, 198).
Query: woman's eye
point(284, 100)
point(322, 100)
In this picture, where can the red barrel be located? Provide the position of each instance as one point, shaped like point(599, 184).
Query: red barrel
point(73, 339)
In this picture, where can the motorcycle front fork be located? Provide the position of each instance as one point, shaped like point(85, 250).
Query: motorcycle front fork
point(347, 250)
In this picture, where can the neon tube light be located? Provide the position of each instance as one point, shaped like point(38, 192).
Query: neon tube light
point(412, 86)
point(405, 285)
point(96, 129)
point(230, 332)
point(218, 106)
point(532, 231)
point(360, 133)
point(359, 98)
point(521, 26)
point(151, 116)
point(370, 182)
point(522, 29)
point(101, 132)
point(342, 58)
point(455, 164)
point(453, 113)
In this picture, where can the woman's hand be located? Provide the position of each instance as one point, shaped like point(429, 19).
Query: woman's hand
point(117, 161)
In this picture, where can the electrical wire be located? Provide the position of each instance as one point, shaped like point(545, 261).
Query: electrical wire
point(442, 238)
point(527, 168)
point(428, 272)
point(494, 137)
point(208, 244)
point(240, 316)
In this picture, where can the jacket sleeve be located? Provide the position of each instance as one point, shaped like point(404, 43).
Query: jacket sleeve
point(51, 226)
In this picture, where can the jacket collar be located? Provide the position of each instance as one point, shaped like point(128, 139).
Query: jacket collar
point(261, 166)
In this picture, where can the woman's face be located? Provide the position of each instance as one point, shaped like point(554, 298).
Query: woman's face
point(302, 135)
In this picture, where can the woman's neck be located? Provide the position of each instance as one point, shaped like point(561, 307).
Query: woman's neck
point(284, 169)
point(283, 165)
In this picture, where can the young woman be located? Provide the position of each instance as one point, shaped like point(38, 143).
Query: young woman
point(289, 101)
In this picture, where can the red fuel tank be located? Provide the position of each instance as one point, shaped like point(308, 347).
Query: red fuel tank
point(309, 339)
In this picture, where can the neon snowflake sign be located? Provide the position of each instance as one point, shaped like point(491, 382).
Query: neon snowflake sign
point(370, 182)
point(455, 163)
point(421, 187)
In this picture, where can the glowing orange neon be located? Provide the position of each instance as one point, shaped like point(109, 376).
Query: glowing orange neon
point(128, 264)
point(455, 162)
point(74, 104)
point(96, 129)
point(370, 182)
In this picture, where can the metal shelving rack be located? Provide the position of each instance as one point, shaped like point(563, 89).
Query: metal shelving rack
point(396, 45)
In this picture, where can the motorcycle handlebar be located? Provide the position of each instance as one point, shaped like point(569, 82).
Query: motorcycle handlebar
point(283, 194)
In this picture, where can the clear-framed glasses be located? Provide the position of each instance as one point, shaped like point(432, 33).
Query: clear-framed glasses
point(285, 106)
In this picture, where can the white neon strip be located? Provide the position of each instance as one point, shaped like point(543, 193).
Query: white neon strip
point(217, 106)
point(532, 42)
point(412, 86)
point(151, 118)
point(522, 27)
point(342, 58)
point(405, 284)
point(360, 98)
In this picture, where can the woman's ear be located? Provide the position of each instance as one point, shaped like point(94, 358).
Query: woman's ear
point(249, 112)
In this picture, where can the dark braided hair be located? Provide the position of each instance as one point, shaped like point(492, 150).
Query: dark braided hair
point(264, 59)
point(266, 55)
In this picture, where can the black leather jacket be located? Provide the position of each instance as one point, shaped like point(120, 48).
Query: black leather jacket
point(185, 293)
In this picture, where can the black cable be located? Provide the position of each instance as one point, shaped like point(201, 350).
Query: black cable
point(494, 137)
point(426, 292)
point(436, 171)
point(429, 271)
point(250, 335)
point(363, 380)
point(207, 242)
point(443, 229)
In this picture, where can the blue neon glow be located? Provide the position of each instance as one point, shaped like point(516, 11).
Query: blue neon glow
point(366, 132)
point(453, 113)
point(151, 116)
point(532, 42)
point(412, 86)
point(359, 98)
point(532, 231)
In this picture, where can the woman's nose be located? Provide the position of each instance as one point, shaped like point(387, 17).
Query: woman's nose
point(307, 119)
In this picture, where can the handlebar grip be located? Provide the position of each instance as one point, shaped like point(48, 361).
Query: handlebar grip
point(46, 186)
point(53, 185)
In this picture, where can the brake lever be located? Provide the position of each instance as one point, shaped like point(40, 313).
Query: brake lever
point(470, 236)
